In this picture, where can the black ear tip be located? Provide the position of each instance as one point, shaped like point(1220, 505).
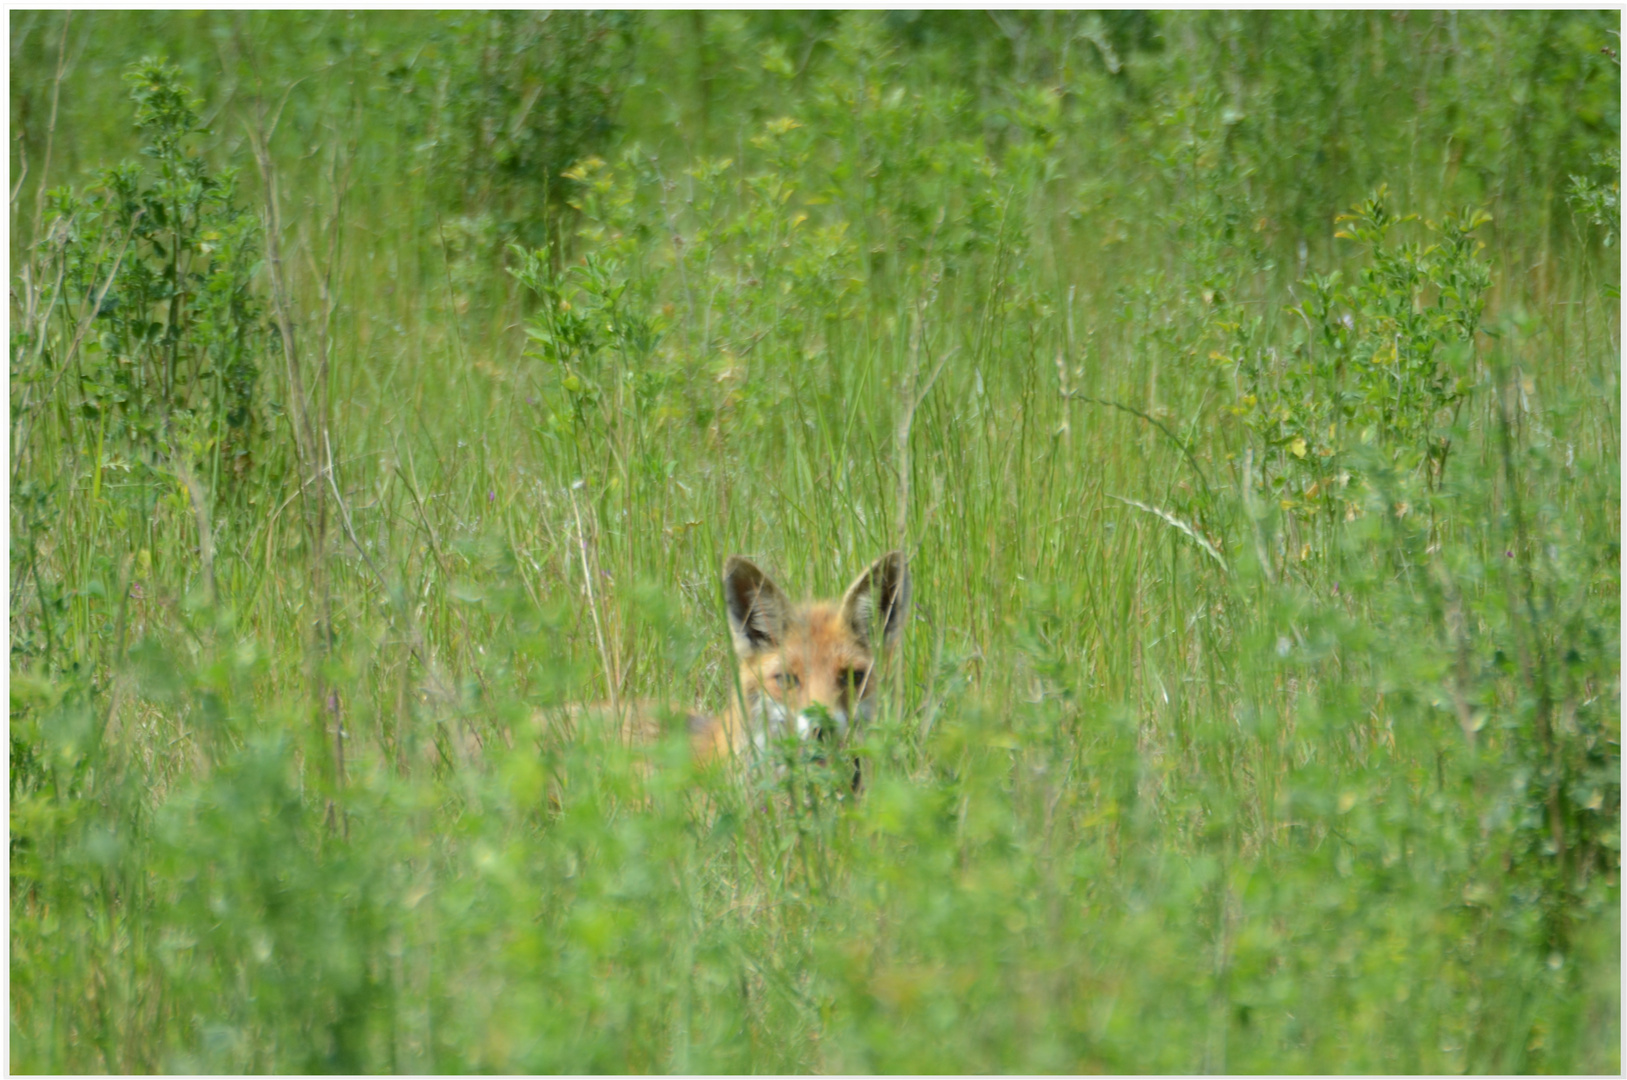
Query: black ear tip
point(739, 570)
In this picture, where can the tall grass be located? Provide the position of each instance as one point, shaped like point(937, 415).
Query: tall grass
point(1259, 709)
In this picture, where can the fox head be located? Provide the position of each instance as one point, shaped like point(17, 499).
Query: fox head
point(811, 668)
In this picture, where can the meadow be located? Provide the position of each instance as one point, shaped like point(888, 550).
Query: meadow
point(1244, 389)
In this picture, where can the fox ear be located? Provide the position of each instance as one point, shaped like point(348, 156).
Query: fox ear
point(875, 603)
point(757, 609)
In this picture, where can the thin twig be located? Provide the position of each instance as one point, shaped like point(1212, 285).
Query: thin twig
point(50, 127)
point(1165, 515)
point(1155, 422)
point(905, 427)
point(1251, 510)
point(420, 645)
point(200, 514)
point(22, 174)
point(416, 640)
point(344, 514)
point(299, 419)
point(610, 673)
point(21, 438)
point(1457, 630)
point(306, 451)
point(339, 180)
point(86, 320)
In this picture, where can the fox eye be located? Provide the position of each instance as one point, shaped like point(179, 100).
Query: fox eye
point(786, 680)
point(855, 676)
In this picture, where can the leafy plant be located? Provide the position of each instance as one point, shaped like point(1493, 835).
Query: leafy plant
point(501, 104)
point(1600, 203)
point(157, 327)
point(1383, 363)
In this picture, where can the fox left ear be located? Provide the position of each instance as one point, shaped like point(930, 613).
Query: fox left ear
point(875, 603)
point(758, 611)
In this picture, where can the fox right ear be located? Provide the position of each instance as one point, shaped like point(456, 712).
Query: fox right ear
point(876, 603)
point(757, 609)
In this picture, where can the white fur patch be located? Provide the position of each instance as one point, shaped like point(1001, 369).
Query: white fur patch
point(770, 720)
point(808, 723)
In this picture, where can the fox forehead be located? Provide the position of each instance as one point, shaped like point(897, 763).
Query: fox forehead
point(817, 638)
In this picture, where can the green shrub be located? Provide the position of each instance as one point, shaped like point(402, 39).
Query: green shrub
point(500, 104)
point(151, 284)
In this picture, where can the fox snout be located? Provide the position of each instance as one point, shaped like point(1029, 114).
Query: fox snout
point(818, 723)
point(815, 721)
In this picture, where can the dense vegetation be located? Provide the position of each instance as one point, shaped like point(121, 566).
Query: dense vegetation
point(1244, 388)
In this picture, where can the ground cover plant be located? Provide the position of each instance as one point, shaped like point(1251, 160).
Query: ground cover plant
point(1243, 388)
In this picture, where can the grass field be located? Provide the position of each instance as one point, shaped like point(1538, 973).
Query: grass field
point(1243, 388)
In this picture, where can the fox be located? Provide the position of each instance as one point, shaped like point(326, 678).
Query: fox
point(808, 670)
